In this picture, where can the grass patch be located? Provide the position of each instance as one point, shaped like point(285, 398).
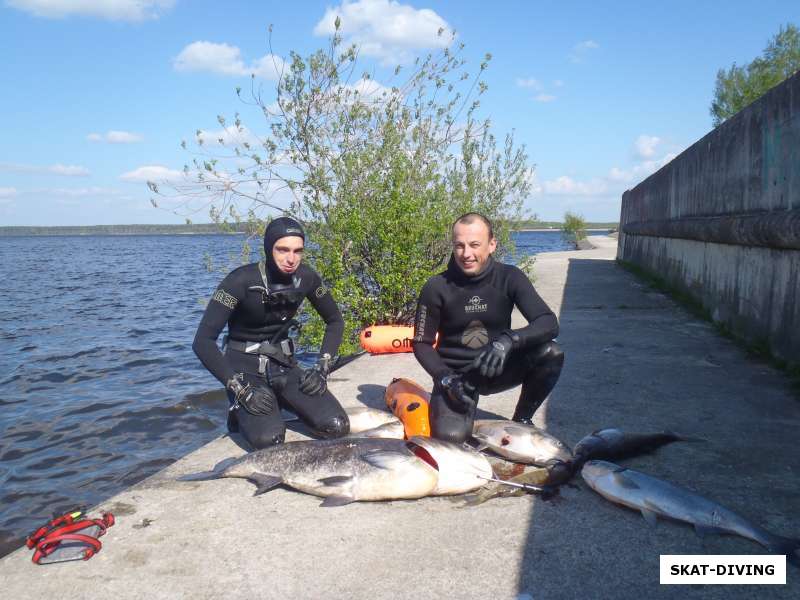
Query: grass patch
point(758, 348)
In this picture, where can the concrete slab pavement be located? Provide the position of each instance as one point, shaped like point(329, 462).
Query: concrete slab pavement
point(634, 360)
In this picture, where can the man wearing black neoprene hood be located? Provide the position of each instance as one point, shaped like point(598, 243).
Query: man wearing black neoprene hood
point(469, 305)
point(259, 370)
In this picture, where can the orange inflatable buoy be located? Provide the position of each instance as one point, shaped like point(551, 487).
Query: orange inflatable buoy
point(382, 339)
point(409, 402)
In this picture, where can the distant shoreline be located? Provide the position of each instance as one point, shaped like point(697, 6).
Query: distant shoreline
point(195, 229)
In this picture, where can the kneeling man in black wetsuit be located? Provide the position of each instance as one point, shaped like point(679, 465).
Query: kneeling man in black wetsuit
point(258, 301)
point(469, 305)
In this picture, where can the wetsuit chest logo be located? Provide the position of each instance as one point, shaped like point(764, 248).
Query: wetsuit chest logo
point(475, 335)
point(476, 304)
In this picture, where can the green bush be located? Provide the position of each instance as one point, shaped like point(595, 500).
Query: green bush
point(574, 226)
point(377, 174)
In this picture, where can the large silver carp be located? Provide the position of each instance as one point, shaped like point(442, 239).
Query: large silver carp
point(657, 498)
point(341, 470)
point(522, 443)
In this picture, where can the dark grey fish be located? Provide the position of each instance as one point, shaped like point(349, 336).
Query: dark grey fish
point(657, 498)
point(614, 444)
point(341, 470)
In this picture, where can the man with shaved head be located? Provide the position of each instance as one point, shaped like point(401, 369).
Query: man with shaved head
point(469, 306)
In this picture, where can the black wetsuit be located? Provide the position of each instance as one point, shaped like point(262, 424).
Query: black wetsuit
point(251, 316)
point(470, 312)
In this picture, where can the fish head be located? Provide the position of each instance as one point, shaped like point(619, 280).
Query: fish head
point(461, 469)
point(594, 470)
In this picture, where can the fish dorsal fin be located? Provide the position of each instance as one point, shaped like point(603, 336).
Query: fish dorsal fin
point(338, 500)
point(384, 459)
point(336, 480)
point(265, 483)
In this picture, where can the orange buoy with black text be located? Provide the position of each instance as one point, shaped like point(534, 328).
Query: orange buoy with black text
point(409, 402)
point(382, 339)
point(385, 339)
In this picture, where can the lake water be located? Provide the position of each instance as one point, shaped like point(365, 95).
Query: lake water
point(99, 386)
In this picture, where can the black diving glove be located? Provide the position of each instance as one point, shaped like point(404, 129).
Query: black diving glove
point(314, 381)
point(460, 394)
point(492, 359)
point(257, 400)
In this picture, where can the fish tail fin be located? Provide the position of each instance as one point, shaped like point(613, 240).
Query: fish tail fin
point(788, 546)
point(216, 473)
point(687, 438)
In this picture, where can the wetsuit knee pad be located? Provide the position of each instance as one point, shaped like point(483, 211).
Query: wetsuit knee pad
point(265, 440)
point(457, 435)
point(335, 427)
point(547, 358)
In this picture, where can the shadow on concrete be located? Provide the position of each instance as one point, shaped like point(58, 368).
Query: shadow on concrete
point(636, 361)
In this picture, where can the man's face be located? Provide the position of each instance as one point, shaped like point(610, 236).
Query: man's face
point(287, 252)
point(472, 246)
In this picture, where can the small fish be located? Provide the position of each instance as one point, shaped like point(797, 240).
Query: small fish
point(536, 476)
point(363, 418)
point(521, 443)
point(393, 430)
point(340, 470)
point(656, 498)
point(612, 444)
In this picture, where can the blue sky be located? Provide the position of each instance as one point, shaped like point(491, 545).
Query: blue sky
point(98, 94)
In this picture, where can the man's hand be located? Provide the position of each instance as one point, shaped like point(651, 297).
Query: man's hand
point(314, 381)
point(492, 359)
point(461, 395)
point(257, 400)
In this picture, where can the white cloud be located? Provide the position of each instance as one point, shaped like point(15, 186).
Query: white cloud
point(640, 171)
point(581, 49)
point(564, 185)
point(69, 170)
point(8, 192)
point(223, 59)
point(386, 29)
point(544, 97)
point(57, 169)
point(155, 173)
point(558, 83)
point(80, 192)
point(115, 137)
point(112, 10)
point(646, 145)
point(530, 82)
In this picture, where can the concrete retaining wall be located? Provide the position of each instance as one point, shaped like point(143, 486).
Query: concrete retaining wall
point(722, 222)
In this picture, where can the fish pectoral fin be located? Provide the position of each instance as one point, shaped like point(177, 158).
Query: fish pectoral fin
point(337, 500)
point(622, 481)
point(385, 459)
point(650, 516)
point(336, 480)
point(483, 442)
point(264, 483)
point(704, 530)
